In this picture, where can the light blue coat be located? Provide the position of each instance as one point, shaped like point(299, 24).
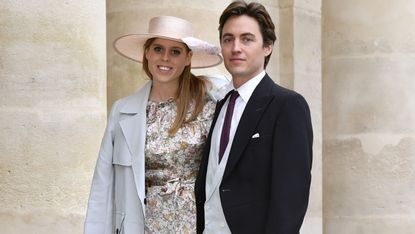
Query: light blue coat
point(116, 201)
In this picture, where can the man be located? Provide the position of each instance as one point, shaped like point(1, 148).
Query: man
point(254, 177)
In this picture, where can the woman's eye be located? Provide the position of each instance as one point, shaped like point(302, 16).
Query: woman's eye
point(157, 49)
point(176, 52)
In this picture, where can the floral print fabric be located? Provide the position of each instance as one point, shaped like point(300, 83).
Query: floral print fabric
point(172, 163)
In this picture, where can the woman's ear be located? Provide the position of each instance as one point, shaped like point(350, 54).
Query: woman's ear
point(189, 58)
point(146, 53)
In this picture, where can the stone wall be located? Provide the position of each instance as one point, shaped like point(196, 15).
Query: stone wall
point(55, 95)
point(369, 116)
point(52, 111)
point(54, 61)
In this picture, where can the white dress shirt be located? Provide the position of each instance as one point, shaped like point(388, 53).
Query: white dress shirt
point(214, 218)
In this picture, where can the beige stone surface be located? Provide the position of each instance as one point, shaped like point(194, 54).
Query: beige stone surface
point(369, 116)
point(369, 193)
point(53, 104)
point(307, 81)
point(55, 92)
point(52, 111)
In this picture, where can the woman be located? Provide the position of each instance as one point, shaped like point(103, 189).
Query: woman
point(151, 149)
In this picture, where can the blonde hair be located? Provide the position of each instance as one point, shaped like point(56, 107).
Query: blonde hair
point(191, 88)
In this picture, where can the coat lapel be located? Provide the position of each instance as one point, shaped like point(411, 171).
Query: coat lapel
point(256, 105)
point(134, 126)
point(134, 130)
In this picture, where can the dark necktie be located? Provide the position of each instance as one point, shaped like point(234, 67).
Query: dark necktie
point(224, 137)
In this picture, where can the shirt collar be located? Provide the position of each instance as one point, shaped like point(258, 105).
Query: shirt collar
point(245, 91)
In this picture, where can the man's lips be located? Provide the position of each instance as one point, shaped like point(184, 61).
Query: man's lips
point(236, 59)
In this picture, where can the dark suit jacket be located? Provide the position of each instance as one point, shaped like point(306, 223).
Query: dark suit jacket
point(265, 186)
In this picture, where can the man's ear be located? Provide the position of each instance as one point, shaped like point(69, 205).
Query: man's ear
point(268, 49)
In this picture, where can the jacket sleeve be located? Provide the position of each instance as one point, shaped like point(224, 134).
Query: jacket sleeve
point(291, 167)
point(100, 205)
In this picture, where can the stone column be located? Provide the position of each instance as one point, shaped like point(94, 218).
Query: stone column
point(300, 70)
point(369, 113)
point(52, 111)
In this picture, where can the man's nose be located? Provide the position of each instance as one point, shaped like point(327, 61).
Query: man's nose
point(236, 46)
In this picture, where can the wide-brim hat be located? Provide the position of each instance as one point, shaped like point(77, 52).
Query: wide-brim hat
point(172, 28)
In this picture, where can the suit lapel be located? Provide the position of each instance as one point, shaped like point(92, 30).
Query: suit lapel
point(254, 109)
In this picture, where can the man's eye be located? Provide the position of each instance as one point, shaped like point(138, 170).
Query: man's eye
point(226, 40)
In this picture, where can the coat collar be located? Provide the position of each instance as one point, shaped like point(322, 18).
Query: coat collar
point(134, 103)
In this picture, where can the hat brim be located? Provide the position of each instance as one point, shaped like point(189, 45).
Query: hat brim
point(131, 47)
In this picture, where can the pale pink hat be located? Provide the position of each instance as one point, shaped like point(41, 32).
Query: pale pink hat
point(172, 28)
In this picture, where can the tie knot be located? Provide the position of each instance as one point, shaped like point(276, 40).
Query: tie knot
point(234, 96)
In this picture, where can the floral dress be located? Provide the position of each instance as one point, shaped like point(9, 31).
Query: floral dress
point(171, 165)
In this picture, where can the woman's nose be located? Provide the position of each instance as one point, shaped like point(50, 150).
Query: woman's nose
point(165, 56)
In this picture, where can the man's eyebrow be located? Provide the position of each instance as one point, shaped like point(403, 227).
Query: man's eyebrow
point(248, 35)
point(242, 35)
point(227, 35)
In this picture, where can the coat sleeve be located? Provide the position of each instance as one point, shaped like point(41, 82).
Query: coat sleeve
point(218, 86)
point(100, 205)
point(291, 167)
